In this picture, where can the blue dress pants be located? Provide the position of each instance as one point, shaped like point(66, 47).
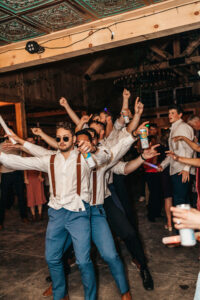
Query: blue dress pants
point(102, 238)
point(63, 227)
point(180, 190)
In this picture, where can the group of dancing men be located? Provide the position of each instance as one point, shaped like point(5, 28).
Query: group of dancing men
point(83, 205)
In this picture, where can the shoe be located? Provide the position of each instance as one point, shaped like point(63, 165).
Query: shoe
point(141, 199)
point(147, 279)
point(48, 292)
point(126, 296)
point(48, 279)
point(1, 227)
point(25, 221)
point(168, 227)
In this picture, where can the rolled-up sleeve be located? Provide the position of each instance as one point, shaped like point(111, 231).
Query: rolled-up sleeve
point(119, 168)
point(102, 156)
point(25, 163)
point(121, 147)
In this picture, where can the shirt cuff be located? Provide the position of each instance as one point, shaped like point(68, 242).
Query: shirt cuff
point(27, 145)
point(187, 168)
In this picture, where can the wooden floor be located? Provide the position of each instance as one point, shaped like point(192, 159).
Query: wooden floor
point(23, 268)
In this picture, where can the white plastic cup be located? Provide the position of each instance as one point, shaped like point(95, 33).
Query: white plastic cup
point(187, 234)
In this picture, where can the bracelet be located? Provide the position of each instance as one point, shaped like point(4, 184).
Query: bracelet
point(142, 157)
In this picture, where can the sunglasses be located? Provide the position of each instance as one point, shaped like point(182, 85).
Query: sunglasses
point(64, 138)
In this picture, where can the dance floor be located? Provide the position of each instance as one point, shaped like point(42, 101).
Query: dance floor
point(23, 268)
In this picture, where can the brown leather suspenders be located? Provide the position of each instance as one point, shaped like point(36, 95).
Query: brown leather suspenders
point(94, 173)
point(78, 172)
point(53, 174)
point(78, 169)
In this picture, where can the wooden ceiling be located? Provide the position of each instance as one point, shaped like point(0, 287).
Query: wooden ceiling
point(27, 19)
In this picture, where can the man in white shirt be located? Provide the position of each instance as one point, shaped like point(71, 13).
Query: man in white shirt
point(179, 172)
point(69, 212)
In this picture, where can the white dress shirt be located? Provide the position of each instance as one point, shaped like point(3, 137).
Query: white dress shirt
point(65, 175)
point(118, 151)
point(180, 148)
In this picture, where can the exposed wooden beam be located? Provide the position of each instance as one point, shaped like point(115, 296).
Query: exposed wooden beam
point(42, 114)
point(94, 67)
point(153, 21)
point(160, 52)
point(191, 47)
point(9, 98)
point(157, 66)
point(6, 103)
point(164, 109)
point(176, 48)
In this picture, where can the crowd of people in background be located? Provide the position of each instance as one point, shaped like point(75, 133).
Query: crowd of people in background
point(171, 178)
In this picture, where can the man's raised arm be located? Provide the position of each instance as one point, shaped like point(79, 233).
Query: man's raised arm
point(69, 110)
point(48, 139)
point(139, 106)
point(30, 148)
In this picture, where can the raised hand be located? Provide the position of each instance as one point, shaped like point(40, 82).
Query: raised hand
point(139, 106)
point(151, 152)
point(126, 94)
point(37, 131)
point(85, 146)
point(63, 101)
point(142, 126)
point(86, 118)
point(13, 136)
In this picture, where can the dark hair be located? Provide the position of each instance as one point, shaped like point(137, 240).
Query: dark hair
point(103, 126)
point(151, 137)
point(67, 126)
point(177, 107)
point(154, 125)
point(107, 113)
point(94, 131)
point(84, 132)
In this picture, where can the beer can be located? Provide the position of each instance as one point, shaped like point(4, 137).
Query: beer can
point(144, 139)
point(89, 159)
point(187, 235)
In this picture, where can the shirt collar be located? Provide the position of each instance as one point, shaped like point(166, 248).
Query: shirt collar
point(73, 153)
point(175, 124)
